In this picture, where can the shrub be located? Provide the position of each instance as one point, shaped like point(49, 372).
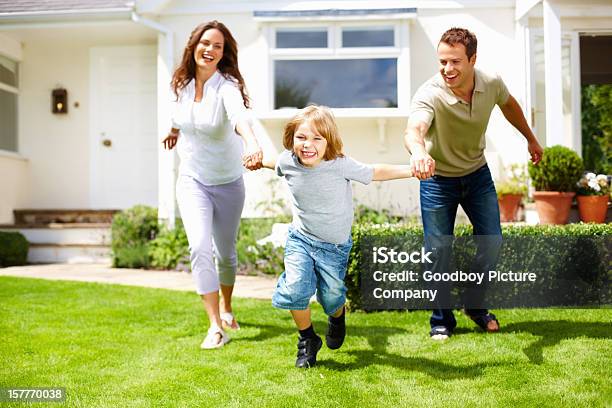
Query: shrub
point(367, 215)
point(361, 233)
point(597, 127)
point(131, 232)
point(559, 170)
point(266, 259)
point(170, 249)
point(13, 249)
point(254, 258)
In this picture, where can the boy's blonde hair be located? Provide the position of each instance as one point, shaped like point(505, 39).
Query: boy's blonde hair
point(322, 121)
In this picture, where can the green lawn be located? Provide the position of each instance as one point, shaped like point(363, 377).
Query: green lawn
point(115, 346)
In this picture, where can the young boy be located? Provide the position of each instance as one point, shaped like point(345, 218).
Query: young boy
point(316, 254)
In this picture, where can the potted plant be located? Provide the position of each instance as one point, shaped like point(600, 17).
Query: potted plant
point(593, 195)
point(511, 191)
point(554, 180)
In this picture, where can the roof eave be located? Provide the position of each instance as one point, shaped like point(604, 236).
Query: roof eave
point(66, 15)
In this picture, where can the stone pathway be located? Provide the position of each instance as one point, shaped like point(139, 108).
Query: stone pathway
point(246, 286)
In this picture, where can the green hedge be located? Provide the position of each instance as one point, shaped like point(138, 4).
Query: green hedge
point(13, 249)
point(361, 232)
point(170, 249)
point(131, 233)
point(138, 242)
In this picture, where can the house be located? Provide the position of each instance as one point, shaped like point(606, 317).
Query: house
point(84, 85)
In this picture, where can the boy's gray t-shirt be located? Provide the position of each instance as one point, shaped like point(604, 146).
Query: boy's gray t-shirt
point(322, 195)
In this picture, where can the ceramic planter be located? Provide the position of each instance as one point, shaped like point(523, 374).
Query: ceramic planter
point(553, 206)
point(593, 208)
point(508, 206)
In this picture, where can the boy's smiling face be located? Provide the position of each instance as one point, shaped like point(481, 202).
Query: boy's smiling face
point(308, 145)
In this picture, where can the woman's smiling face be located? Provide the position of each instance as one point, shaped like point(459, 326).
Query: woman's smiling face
point(209, 50)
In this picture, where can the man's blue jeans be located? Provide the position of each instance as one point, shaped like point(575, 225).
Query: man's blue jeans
point(440, 197)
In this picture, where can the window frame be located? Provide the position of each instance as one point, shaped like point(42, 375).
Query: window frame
point(14, 90)
point(335, 51)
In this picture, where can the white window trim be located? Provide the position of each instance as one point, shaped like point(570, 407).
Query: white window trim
point(14, 90)
point(9, 88)
point(12, 155)
point(334, 51)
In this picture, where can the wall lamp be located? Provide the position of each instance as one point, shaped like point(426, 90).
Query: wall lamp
point(59, 101)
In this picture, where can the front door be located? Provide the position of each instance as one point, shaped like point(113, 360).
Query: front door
point(123, 131)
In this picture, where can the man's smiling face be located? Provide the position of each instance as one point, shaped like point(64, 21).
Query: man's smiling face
point(455, 67)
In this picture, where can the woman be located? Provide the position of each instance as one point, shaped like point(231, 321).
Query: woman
point(210, 113)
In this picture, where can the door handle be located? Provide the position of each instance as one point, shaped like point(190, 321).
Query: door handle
point(107, 143)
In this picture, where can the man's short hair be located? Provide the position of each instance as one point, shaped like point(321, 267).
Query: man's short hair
point(457, 35)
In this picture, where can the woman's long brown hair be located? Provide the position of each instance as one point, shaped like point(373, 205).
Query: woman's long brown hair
point(228, 65)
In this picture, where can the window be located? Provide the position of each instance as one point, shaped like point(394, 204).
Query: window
point(341, 65)
point(8, 104)
point(368, 37)
point(301, 38)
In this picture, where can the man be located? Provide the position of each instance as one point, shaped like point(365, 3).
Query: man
point(446, 138)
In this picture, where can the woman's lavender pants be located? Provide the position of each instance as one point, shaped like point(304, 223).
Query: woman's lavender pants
point(211, 216)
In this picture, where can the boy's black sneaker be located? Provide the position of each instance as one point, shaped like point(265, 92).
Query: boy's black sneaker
point(336, 331)
point(308, 347)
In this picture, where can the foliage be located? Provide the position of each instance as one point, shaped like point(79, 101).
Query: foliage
point(367, 215)
point(515, 182)
point(372, 233)
point(131, 232)
point(13, 249)
point(597, 127)
point(558, 170)
point(591, 184)
point(266, 259)
point(254, 258)
point(170, 249)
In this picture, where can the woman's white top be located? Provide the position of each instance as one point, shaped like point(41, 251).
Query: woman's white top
point(209, 148)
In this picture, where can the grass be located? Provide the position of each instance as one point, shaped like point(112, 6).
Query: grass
point(115, 346)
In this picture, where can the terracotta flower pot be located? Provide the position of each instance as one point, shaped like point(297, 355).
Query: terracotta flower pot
point(593, 208)
point(553, 206)
point(508, 206)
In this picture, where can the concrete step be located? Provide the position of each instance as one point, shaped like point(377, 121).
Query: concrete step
point(69, 253)
point(47, 216)
point(85, 234)
point(65, 236)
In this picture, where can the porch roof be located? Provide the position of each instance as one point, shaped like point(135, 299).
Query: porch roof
point(61, 9)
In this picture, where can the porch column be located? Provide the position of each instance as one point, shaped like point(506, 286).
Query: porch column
point(166, 168)
point(166, 159)
point(552, 72)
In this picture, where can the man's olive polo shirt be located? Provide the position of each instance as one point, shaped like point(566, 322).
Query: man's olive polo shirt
point(456, 135)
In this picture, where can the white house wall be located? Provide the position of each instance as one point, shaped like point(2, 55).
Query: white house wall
point(13, 185)
point(497, 48)
point(57, 146)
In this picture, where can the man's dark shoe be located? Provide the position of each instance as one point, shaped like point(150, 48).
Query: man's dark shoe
point(308, 347)
point(440, 333)
point(336, 331)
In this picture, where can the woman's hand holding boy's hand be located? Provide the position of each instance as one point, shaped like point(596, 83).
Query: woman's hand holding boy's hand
point(253, 158)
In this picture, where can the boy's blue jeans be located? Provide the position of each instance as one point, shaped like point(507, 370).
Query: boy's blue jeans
point(312, 266)
point(440, 198)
